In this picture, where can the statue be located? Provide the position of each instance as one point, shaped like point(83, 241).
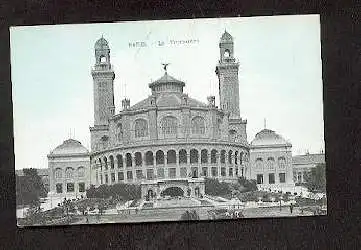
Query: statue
point(165, 65)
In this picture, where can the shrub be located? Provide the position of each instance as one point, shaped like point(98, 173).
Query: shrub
point(116, 191)
point(216, 188)
point(190, 215)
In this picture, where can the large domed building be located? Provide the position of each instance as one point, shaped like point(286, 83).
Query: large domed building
point(168, 135)
point(169, 139)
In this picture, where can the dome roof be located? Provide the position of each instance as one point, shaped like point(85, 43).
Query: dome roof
point(166, 79)
point(101, 44)
point(167, 100)
point(70, 146)
point(226, 37)
point(267, 137)
point(167, 92)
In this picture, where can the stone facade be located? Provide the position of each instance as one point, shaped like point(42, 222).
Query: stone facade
point(169, 134)
point(189, 187)
point(69, 170)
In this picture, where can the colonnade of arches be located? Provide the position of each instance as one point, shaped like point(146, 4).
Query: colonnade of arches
point(172, 157)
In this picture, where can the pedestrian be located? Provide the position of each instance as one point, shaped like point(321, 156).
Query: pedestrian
point(87, 218)
point(291, 208)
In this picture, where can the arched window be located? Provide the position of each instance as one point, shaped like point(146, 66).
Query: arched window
point(241, 158)
point(111, 158)
point(182, 156)
point(101, 164)
point(128, 159)
point(159, 157)
point(230, 157)
point(58, 173)
point(281, 162)
point(119, 132)
point(204, 156)
point(81, 172)
point(214, 156)
point(197, 125)
point(120, 161)
point(232, 135)
point(138, 159)
point(223, 156)
point(141, 128)
point(226, 53)
point(236, 157)
point(259, 163)
point(246, 157)
point(271, 163)
point(171, 157)
point(169, 125)
point(105, 163)
point(149, 160)
point(194, 156)
point(69, 172)
point(103, 59)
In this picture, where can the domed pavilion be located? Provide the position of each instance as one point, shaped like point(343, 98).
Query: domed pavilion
point(69, 169)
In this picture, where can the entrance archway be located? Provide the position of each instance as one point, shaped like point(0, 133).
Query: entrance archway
point(150, 195)
point(173, 191)
point(172, 187)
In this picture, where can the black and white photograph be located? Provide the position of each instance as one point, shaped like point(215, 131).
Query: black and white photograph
point(168, 120)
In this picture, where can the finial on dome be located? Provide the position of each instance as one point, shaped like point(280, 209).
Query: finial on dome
point(264, 123)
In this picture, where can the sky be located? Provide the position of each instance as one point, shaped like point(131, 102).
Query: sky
point(280, 75)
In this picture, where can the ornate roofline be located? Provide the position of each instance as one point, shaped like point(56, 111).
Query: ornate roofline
point(176, 141)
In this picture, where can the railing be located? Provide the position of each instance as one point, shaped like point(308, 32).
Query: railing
point(102, 66)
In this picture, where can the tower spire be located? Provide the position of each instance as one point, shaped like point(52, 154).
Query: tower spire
point(264, 123)
point(227, 73)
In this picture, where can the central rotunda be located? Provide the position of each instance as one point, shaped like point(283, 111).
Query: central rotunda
point(168, 136)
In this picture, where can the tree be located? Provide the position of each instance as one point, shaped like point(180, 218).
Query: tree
point(316, 179)
point(248, 185)
point(82, 207)
point(29, 187)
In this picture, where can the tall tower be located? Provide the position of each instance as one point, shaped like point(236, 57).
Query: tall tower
point(227, 72)
point(103, 78)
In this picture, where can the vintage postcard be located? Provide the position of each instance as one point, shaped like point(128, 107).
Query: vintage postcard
point(193, 119)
